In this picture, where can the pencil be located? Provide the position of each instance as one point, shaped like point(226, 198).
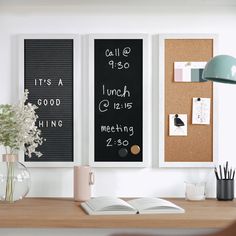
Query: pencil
point(226, 169)
point(233, 174)
point(220, 172)
point(230, 173)
point(217, 177)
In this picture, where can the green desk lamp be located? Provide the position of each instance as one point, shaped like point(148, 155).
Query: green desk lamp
point(221, 69)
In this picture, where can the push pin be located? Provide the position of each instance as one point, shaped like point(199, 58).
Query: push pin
point(198, 99)
point(123, 152)
point(188, 63)
point(135, 149)
point(177, 121)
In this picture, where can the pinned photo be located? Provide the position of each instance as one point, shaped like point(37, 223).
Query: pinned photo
point(178, 125)
point(189, 71)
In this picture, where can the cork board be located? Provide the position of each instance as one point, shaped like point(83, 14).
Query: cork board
point(197, 146)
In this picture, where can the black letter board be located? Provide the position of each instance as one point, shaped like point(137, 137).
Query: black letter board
point(48, 75)
point(118, 101)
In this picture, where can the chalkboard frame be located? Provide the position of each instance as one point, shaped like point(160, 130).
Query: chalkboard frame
point(146, 102)
point(160, 110)
point(77, 89)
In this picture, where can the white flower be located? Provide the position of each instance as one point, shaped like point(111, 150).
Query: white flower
point(18, 129)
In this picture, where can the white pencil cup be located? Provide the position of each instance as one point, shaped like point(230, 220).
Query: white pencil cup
point(83, 179)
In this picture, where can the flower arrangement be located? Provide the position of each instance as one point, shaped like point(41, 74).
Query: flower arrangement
point(18, 129)
point(18, 132)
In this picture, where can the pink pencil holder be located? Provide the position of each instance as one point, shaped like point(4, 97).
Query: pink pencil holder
point(83, 179)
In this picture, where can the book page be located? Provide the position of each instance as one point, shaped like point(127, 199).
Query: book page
point(108, 204)
point(152, 204)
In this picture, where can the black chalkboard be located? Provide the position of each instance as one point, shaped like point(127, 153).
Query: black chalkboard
point(48, 75)
point(118, 97)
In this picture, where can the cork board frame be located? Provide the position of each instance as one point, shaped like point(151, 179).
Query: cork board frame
point(198, 148)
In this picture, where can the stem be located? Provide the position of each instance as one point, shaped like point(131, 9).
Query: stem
point(10, 182)
point(7, 182)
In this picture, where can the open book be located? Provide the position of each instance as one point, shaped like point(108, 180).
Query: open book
point(117, 206)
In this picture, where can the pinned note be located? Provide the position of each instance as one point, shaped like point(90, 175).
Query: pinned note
point(201, 111)
point(178, 125)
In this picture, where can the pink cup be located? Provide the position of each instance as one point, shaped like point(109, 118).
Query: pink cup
point(83, 179)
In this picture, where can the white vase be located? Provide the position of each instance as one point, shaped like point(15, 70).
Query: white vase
point(14, 179)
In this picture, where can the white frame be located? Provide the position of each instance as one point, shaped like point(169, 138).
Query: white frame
point(146, 101)
point(76, 96)
point(161, 91)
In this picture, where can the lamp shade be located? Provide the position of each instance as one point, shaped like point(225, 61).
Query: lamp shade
point(221, 69)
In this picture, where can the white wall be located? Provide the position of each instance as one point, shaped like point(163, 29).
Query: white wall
point(152, 17)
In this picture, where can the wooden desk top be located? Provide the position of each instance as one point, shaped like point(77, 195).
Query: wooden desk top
point(65, 213)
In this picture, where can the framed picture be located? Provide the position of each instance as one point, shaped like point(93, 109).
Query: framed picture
point(49, 70)
point(183, 142)
point(119, 101)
